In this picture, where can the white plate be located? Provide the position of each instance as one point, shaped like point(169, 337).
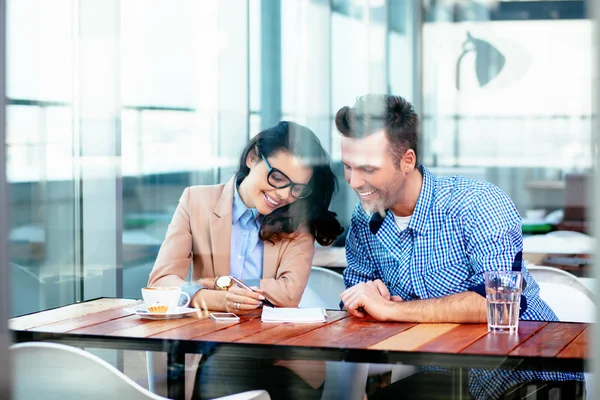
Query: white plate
point(180, 312)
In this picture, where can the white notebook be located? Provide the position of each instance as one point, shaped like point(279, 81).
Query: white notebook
point(316, 314)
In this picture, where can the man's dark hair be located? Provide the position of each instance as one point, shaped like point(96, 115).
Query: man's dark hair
point(373, 112)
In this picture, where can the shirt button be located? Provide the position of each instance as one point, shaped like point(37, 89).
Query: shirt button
point(239, 257)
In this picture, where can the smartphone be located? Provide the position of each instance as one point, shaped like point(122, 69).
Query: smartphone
point(224, 317)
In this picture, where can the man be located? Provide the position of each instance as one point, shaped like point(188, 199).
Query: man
point(418, 245)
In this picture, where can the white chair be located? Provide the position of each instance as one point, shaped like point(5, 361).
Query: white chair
point(343, 380)
point(566, 295)
point(52, 371)
point(570, 300)
point(559, 242)
point(323, 289)
point(156, 366)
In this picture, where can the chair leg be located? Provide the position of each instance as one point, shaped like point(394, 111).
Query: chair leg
point(156, 365)
point(176, 375)
point(191, 366)
point(400, 371)
point(345, 380)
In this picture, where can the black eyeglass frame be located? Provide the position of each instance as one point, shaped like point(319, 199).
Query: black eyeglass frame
point(292, 183)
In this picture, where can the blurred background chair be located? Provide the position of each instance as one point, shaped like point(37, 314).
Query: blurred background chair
point(54, 371)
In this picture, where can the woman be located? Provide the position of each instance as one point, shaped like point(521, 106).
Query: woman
point(259, 227)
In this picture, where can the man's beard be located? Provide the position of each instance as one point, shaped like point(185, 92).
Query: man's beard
point(386, 198)
point(374, 206)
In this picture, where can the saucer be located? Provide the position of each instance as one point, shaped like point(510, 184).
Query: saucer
point(179, 312)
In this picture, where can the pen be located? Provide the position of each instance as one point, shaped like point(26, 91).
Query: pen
point(243, 285)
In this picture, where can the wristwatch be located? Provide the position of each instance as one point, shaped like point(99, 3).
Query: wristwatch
point(223, 282)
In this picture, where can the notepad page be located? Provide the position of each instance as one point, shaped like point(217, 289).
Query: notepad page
point(316, 314)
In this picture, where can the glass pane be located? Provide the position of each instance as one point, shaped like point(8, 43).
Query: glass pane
point(40, 168)
point(185, 117)
point(254, 35)
point(39, 60)
point(158, 52)
point(358, 59)
point(493, 102)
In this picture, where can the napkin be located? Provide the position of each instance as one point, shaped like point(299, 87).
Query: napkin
point(316, 314)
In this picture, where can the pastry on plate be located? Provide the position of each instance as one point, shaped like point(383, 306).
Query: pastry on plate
point(158, 308)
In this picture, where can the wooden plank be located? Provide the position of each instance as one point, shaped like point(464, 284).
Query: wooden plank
point(455, 339)
point(414, 337)
point(549, 341)
point(68, 312)
point(236, 332)
point(111, 326)
point(153, 327)
point(84, 321)
point(504, 343)
point(578, 348)
point(198, 328)
point(122, 326)
point(285, 331)
point(350, 333)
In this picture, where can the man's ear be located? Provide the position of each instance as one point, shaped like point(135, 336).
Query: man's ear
point(409, 160)
point(252, 158)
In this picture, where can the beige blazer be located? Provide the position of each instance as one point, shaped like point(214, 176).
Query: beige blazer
point(200, 234)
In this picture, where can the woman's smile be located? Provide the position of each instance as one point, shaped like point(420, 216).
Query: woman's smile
point(270, 201)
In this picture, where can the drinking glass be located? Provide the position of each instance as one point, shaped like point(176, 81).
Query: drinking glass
point(503, 294)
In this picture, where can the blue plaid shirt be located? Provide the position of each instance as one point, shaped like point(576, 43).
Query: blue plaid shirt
point(460, 228)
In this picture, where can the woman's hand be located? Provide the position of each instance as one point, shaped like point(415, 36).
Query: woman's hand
point(242, 301)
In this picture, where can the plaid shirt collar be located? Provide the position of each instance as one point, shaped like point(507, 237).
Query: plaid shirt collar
point(420, 218)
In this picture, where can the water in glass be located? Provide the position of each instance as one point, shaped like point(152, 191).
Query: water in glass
point(503, 308)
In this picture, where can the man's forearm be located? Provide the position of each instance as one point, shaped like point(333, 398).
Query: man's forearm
point(466, 307)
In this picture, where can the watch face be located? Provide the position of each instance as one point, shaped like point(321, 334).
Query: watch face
point(224, 282)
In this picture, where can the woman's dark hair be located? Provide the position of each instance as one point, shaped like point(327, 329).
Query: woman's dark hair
point(312, 211)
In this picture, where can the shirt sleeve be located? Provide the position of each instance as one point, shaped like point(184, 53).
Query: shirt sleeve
point(175, 255)
point(191, 288)
point(494, 238)
point(361, 267)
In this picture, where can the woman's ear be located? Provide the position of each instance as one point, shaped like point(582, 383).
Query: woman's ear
point(252, 158)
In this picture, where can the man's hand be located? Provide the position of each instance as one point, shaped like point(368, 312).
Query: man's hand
point(383, 290)
point(371, 298)
point(380, 287)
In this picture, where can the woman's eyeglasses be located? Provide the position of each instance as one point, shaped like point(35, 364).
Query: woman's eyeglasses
point(279, 180)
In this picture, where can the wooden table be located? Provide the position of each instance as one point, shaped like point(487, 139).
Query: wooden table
point(106, 323)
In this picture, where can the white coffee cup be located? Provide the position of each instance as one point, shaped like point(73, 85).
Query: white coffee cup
point(167, 296)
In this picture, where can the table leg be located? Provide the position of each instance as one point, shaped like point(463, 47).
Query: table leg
point(460, 383)
point(176, 375)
